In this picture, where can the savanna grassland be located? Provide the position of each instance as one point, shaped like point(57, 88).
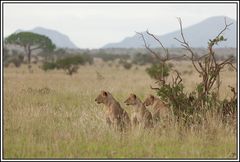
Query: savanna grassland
point(53, 115)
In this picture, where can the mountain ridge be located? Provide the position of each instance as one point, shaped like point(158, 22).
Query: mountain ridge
point(208, 28)
point(59, 39)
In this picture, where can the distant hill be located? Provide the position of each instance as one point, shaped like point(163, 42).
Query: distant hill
point(197, 35)
point(59, 39)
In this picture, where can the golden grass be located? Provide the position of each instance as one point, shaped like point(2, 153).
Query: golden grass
point(53, 115)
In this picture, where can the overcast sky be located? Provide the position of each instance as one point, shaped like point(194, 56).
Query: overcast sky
point(94, 25)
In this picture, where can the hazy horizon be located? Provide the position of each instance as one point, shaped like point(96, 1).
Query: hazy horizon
point(94, 25)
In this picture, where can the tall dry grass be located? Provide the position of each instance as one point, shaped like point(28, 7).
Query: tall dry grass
point(52, 115)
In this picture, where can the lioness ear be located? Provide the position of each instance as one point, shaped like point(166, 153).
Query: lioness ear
point(105, 93)
point(134, 96)
point(152, 97)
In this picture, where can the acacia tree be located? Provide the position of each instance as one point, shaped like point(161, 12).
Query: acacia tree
point(30, 42)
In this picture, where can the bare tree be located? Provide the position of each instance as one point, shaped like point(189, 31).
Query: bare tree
point(206, 65)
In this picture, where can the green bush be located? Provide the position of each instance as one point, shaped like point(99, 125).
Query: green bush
point(111, 57)
point(125, 64)
point(69, 64)
point(228, 109)
point(178, 100)
point(5, 53)
point(69, 60)
point(189, 107)
point(159, 71)
point(48, 66)
point(87, 58)
point(143, 59)
point(16, 59)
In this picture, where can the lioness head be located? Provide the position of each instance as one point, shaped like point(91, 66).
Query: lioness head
point(149, 100)
point(131, 100)
point(102, 97)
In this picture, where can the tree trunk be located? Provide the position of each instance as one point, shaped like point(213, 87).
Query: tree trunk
point(218, 85)
point(29, 58)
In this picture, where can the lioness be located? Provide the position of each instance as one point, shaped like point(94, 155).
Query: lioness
point(160, 109)
point(141, 115)
point(115, 114)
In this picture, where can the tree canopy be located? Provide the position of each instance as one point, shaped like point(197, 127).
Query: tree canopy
point(32, 40)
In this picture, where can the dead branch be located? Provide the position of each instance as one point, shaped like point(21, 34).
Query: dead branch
point(167, 55)
point(232, 65)
point(148, 48)
point(186, 45)
point(227, 61)
point(234, 92)
point(178, 77)
point(165, 49)
point(225, 28)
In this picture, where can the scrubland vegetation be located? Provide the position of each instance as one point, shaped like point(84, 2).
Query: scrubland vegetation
point(52, 115)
